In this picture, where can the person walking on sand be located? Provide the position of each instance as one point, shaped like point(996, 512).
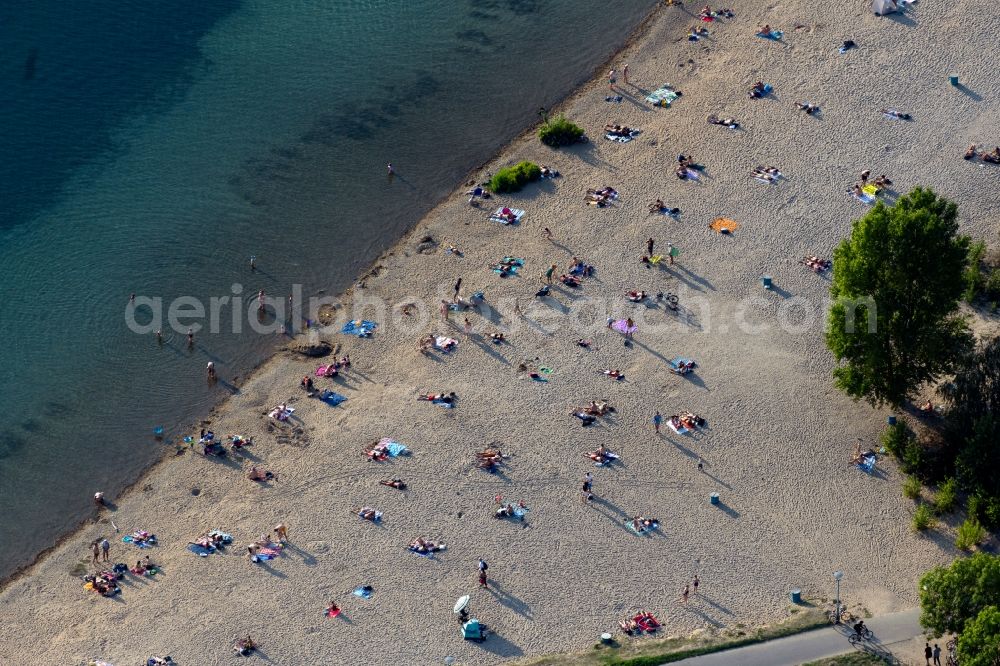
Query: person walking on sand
point(106, 549)
point(612, 78)
point(517, 307)
point(649, 247)
point(445, 310)
point(281, 531)
point(937, 655)
point(467, 325)
point(928, 653)
point(695, 583)
point(625, 74)
point(458, 288)
point(587, 487)
point(657, 420)
point(547, 233)
point(96, 550)
point(671, 252)
point(684, 594)
point(549, 272)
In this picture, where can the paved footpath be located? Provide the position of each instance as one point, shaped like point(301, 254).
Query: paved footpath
point(817, 644)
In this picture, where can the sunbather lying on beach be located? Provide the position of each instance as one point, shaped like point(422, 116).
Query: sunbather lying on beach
point(992, 158)
point(970, 152)
point(438, 397)
point(808, 108)
point(640, 524)
point(614, 374)
point(601, 456)
point(586, 418)
point(398, 484)
point(367, 513)
point(815, 263)
point(619, 130)
point(489, 459)
point(636, 296)
point(549, 173)
point(597, 408)
point(421, 545)
point(282, 412)
point(256, 474)
point(569, 280)
point(896, 115)
point(726, 122)
point(770, 174)
point(583, 343)
point(577, 267)
point(497, 337)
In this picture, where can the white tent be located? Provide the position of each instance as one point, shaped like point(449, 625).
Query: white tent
point(883, 7)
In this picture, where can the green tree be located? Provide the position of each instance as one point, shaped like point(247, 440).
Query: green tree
point(952, 596)
point(973, 425)
point(896, 285)
point(979, 644)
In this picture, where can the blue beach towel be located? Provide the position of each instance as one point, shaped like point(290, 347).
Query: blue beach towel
point(776, 35)
point(201, 551)
point(362, 329)
point(332, 398)
point(363, 592)
point(446, 405)
point(395, 449)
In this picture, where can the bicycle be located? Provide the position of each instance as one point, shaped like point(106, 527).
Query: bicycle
point(952, 655)
point(845, 616)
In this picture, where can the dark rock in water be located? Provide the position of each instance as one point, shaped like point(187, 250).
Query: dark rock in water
point(312, 348)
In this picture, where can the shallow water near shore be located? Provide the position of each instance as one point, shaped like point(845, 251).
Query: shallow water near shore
point(153, 149)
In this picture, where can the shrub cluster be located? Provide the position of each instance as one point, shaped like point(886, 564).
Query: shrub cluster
point(560, 132)
point(513, 178)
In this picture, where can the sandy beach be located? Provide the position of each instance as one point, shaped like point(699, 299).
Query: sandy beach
point(777, 437)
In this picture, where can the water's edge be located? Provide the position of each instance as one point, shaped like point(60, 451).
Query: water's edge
point(636, 34)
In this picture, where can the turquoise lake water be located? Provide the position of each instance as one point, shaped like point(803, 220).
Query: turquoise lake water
point(152, 148)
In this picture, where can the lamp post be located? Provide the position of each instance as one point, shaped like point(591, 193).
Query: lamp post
point(837, 575)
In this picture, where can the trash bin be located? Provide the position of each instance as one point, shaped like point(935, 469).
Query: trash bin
point(766, 281)
point(953, 79)
point(714, 498)
point(891, 420)
point(796, 595)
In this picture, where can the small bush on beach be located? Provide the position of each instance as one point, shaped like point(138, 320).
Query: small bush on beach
point(560, 132)
point(970, 533)
point(947, 497)
point(513, 178)
point(923, 518)
point(911, 487)
point(897, 437)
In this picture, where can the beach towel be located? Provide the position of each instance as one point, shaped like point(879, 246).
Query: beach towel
point(363, 592)
point(201, 551)
point(332, 612)
point(622, 326)
point(870, 190)
point(776, 35)
point(226, 538)
point(362, 329)
point(662, 96)
point(263, 557)
point(620, 139)
point(867, 464)
point(332, 398)
point(679, 428)
point(497, 216)
point(444, 403)
point(393, 448)
point(444, 343)
point(864, 198)
point(325, 371)
point(724, 225)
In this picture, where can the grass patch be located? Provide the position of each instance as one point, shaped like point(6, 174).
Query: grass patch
point(852, 659)
point(947, 497)
point(923, 518)
point(513, 178)
point(656, 651)
point(970, 533)
point(911, 487)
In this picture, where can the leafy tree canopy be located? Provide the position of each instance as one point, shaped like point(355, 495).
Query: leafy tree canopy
point(896, 285)
point(952, 596)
